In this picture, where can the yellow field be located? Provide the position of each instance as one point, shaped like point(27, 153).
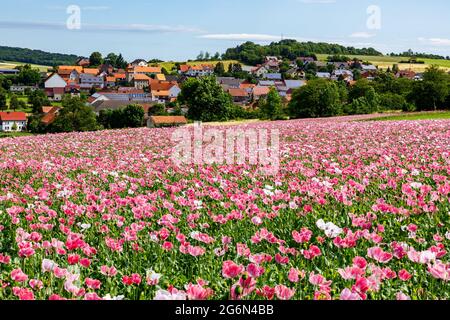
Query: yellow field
point(12, 65)
point(384, 62)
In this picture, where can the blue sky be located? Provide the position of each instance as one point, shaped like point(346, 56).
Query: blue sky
point(180, 29)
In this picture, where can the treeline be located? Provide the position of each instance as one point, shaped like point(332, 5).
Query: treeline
point(76, 116)
point(413, 54)
point(325, 98)
point(252, 54)
point(36, 56)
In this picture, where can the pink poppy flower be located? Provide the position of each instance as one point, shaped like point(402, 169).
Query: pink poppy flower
point(283, 292)
point(17, 275)
point(404, 275)
point(231, 270)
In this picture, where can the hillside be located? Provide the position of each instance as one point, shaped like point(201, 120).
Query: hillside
point(252, 54)
point(37, 57)
point(384, 62)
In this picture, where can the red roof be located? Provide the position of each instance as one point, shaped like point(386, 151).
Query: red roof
point(168, 120)
point(13, 116)
point(238, 93)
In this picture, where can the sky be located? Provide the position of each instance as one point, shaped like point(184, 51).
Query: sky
point(179, 29)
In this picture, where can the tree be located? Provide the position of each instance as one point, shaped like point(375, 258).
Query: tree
point(319, 98)
point(133, 116)
point(205, 99)
point(14, 127)
point(158, 109)
point(3, 98)
point(75, 116)
point(14, 102)
point(431, 93)
point(38, 99)
point(28, 76)
point(359, 89)
point(219, 69)
point(369, 103)
point(201, 56)
point(271, 106)
point(96, 59)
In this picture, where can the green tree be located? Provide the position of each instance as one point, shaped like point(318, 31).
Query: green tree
point(219, 69)
point(319, 98)
point(14, 102)
point(3, 98)
point(75, 116)
point(431, 93)
point(158, 109)
point(133, 116)
point(359, 89)
point(96, 59)
point(38, 99)
point(205, 99)
point(271, 106)
point(28, 76)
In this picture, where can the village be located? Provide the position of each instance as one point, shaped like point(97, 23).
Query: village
point(148, 84)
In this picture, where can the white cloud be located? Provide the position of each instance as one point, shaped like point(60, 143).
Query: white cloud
point(144, 28)
point(241, 37)
point(364, 35)
point(435, 41)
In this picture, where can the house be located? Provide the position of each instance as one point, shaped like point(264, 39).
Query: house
point(141, 81)
point(21, 89)
point(131, 72)
point(273, 76)
point(139, 63)
point(369, 67)
point(259, 71)
point(9, 71)
point(166, 121)
point(272, 63)
point(110, 81)
point(50, 114)
point(266, 83)
point(323, 75)
point(409, 74)
point(13, 121)
point(92, 71)
point(340, 65)
point(197, 71)
point(260, 92)
point(294, 84)
point(168, 90)
point(306, 60)
point(229, 81)
point(89, 81)
point(55, 87)
point(83, 62)
point(239, 96)
point(342, 74)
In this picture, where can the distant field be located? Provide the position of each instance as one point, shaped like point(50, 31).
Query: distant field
point(384, 62)
point(416, 116)
point(170, 64)
point(12, 65)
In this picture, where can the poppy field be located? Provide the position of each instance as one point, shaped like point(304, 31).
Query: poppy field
point(357, 211)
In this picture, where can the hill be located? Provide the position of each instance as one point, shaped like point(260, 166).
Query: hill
point(37, 57)
point(252, 54)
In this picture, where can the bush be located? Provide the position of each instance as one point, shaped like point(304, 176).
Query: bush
point(319, 98)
